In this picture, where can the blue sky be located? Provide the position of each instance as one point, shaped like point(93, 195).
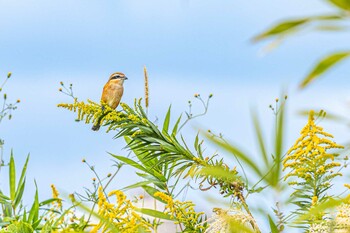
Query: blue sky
point(189, 46)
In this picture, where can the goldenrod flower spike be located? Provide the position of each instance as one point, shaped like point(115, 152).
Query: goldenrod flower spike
point(121, 215)
point(308, 156)
point(312, 166)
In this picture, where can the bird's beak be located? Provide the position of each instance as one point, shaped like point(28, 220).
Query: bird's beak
point(125, 78)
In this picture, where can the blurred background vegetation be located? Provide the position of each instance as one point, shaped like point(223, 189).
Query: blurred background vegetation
point(166, 162)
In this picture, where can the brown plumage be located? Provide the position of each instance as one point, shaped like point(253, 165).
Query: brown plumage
point(112, 93)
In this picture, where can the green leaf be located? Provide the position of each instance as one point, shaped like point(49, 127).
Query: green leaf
point(137, 185)
point(331, 28)
point(219, 173)
point(151, 191)
point(322, 66)
point(130, 162)
point(23, 174)
point(49, 201)
point(276, 172)
point(166, 121)
point(12, 176)
point(155, 213)
point(237, 152)
point(260, 137)
point(24, 217)
point(19, 194)
point(343, 4)
point(21, 227)
point(329, 204)
point(4, 197)
point(21, 185)
point(34, 211)
point(273, 226)
point(281, 28)
point(176, 126)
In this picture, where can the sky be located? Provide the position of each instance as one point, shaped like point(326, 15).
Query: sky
point(188, 46)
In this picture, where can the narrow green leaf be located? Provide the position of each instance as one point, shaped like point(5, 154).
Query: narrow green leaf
point(260, 138)
point(322, 66)
point(196, 146)
point(19, 194)
point(110, 226)
point(281, 28)
point(276, 172)
point(329, 204)
point(151, 191)
point(220, 173)
point(166, 121)
point(237, 152)
point(155, 213)
point(4, 202)
point(273, 226)
point(4, 197)
point(343, 4)
point(140, 153)
point(12, 176)
point(176, 126)
point(48, 201)
point(24, 217)
point(130, 162)
point(137, 185)
point(23, 174)
point(331, 28)
point(34, 211)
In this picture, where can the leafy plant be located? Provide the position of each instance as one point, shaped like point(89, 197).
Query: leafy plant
point(15, 214)
point(327, 22)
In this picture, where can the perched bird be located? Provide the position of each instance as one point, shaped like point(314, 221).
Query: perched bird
point(112, 93)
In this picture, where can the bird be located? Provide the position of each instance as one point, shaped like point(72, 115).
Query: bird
point(112, 93)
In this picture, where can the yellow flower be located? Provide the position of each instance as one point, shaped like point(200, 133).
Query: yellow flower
point(182, 212)
point(55, 194)
point(310, 163)
point(120, 216)
point(308, 155)
point(314, 200)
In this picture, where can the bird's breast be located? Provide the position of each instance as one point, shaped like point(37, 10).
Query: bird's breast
point(112, 94)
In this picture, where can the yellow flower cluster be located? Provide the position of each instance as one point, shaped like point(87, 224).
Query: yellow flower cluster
point(308, 157)
point(66, 220)
point(120, 216)
point(55, 194)
point(93, 112)
point(183, 213)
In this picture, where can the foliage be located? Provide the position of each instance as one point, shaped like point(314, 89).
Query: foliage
point(184, 214)
point(6, 111)
point(162, 159)
point(168, 165)
point(14, 212)
point(312, 166)
point(121, 215)
point(327, 22)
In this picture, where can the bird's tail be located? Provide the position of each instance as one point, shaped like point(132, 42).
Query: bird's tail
point(96, 127)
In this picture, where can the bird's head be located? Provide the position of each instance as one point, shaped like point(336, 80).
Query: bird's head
point(118, 76)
